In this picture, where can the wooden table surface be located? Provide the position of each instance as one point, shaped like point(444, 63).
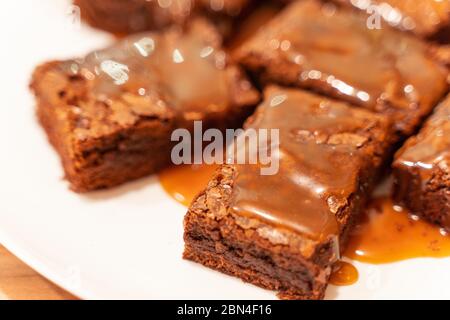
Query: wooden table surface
point(20, 282)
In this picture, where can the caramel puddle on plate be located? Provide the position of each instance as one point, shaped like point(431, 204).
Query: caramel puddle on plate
point(344, 274)
point(389, 233)
point(184, 182)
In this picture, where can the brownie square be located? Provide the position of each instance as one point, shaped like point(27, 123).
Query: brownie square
point(128, 16)
point(329, 49)
point(111, 114)
point(422, 170)
point(285, 231)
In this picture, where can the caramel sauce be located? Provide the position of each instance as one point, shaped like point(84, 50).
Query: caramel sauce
point(318, 170)
point(388, 233)
point(409, 14)
point(344, 274)
point(429, 151)
point(166, 68)
point(184, 182)
point(119, 35)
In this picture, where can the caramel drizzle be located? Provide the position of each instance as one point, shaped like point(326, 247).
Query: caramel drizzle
point(319, 164)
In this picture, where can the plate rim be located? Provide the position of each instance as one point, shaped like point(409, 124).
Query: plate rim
point(43, 269)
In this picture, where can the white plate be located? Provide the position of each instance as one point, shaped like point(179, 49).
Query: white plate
point(124, 243)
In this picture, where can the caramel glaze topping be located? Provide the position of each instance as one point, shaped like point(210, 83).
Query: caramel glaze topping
point(332, 50)
point(322, 154)
point(167, 67)
point(421, 16)
point(431, 147)
point(175, 74)
point(428, 154)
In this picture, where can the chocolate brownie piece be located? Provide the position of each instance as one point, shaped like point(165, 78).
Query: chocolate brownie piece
point(128, 16)
point(426, 18)
point(422, 170)
point(285, 231)
point(111, 115)
point(330, 49)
